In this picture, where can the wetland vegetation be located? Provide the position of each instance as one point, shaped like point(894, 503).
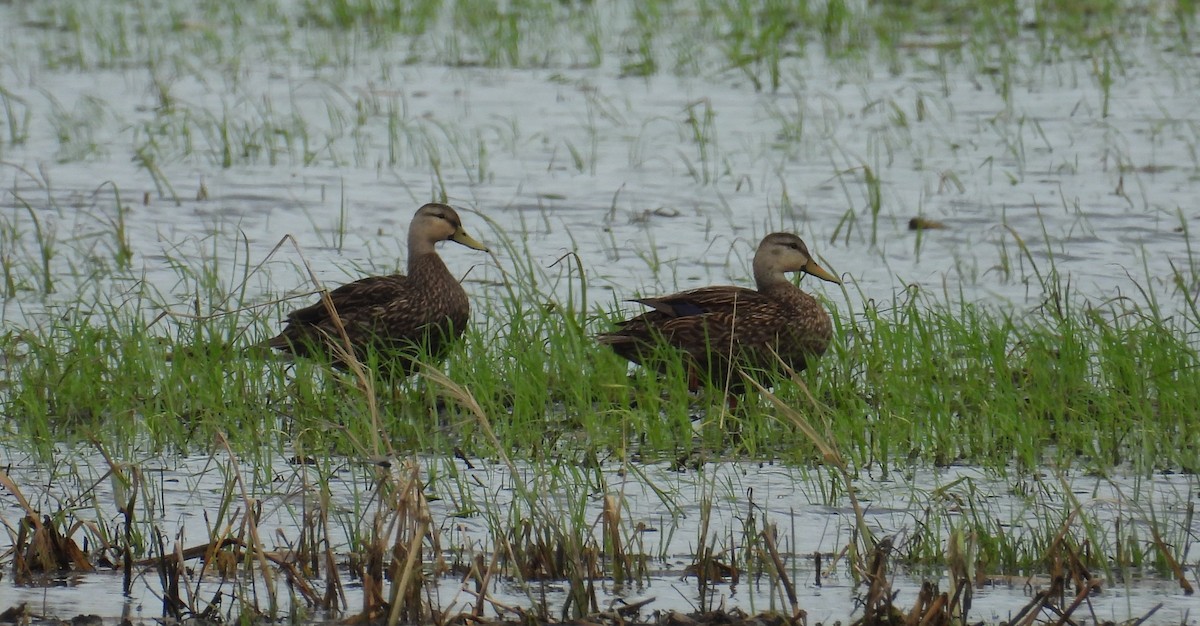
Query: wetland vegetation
point(1009, 411)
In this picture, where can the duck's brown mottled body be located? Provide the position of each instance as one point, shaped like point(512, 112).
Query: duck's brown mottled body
point(399, 317)
point(717, 326)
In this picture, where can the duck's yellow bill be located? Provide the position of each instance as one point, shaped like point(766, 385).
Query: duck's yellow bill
point(461, 236)
point(820, 272)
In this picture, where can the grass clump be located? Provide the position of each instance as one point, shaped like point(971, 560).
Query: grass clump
point(914, 380)
point(1102, 385)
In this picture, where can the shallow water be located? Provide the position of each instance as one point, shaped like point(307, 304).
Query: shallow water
point(564, 159)
point(646, 206)
point(744, 497)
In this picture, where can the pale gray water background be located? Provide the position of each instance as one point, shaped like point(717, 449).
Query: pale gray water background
point(1045, 163)
point(1106, 196)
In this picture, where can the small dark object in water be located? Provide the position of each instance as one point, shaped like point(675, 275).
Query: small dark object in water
point(920, 223)
point(400, 318)
point(716, 327)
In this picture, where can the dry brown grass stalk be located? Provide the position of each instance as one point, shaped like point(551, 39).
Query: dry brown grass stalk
point(40, 547)
point(1176, 568)
point(828, 451)
point(878, 607)
point(611, 519)
point(46, 550)
point(251, 525)
point(412, 512)
point(572, 556)
point(768, 536)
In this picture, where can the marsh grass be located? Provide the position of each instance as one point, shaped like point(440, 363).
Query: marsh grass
point(1094, 385)
point(917, 378)
point(756, 39)
point(545, 533)
point(17, 117)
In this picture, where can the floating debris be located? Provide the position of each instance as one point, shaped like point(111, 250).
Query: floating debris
point(920, 223)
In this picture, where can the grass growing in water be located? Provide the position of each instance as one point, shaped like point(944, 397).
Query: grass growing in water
point(918, 379)
point(755, 39)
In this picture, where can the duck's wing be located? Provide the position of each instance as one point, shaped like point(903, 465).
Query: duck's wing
point(716, 316)
point(360, 295)
point(704, 301)
point(698, 318)
point(360, 305)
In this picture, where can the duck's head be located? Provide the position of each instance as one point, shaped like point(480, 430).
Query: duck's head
point(436, 222)
point(780, 253)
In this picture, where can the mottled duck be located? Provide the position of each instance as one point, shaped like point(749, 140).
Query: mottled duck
point(716, 326)
point(401, 318)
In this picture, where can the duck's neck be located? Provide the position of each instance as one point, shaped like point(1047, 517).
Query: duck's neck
point(418, 246)
point(766, 280)
point(427, 267)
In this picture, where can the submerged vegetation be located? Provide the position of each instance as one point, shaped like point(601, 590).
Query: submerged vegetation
point(1050, 434)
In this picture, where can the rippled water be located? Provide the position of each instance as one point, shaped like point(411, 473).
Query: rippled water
point(741, 499)
point(1105, 195)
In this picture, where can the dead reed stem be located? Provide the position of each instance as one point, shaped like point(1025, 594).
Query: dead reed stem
point(255, 547)
point(768, 536)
